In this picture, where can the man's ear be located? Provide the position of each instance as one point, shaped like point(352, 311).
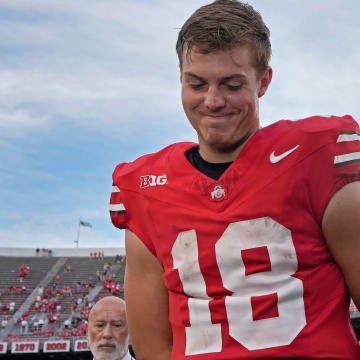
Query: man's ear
point(265, 81)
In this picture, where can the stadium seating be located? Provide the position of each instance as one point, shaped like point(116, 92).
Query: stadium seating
point(63, 281)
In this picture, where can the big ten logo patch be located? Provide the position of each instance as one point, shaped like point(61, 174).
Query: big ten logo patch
point(152, 180)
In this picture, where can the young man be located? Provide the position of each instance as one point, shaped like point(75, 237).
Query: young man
point(108, 332)
point(245, 245)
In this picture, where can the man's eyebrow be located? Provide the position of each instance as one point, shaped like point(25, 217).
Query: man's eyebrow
point(188, 73)
point(226, 78)
point(234, 76)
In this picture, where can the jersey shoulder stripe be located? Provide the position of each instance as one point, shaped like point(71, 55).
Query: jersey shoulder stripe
point(348, 136)
point(348, 147)
point(117, 209)
point(346, 159)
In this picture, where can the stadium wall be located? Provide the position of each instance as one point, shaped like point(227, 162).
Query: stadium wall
point(60, 252)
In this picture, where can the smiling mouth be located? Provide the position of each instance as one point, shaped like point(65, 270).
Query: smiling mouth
point(217, 115)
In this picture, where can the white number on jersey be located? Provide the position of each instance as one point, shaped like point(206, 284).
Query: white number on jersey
point(205, 337)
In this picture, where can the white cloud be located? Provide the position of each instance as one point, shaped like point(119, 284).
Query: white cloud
point(19, 118)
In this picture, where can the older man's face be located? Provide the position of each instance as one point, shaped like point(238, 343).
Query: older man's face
point(107, 331)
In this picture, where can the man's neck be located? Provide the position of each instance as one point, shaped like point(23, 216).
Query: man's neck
point(214, 155)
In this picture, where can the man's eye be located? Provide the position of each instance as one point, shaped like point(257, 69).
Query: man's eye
point(233, 87)
point(99, 326)
point(196, 86)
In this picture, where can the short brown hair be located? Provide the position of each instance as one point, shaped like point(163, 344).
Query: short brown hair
point(222, 25)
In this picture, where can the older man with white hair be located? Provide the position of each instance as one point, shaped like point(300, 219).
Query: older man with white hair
point(108, 333)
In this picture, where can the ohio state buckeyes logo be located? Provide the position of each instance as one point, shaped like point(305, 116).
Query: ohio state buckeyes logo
point(152, 180)
point(218, 193)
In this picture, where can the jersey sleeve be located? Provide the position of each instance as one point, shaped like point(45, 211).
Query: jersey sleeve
point(127, 207)
point(118, 212)
point(337, 163)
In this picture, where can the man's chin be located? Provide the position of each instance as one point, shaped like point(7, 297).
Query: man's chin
point(105, 354)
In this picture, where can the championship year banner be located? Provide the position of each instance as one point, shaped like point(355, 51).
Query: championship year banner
point(25, 347)
point(57, 346)
point(81, 345)
point(3, 347)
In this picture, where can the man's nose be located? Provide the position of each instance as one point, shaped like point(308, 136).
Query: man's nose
point(214, 99)
point(107, 333)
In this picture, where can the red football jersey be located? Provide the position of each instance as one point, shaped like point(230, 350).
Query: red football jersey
point(246, 264)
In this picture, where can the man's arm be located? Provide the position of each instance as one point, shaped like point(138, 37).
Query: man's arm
point(341, 228)
point(147, 302)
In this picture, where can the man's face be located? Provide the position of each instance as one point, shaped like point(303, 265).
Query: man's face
point(107, 331)
point(220, 93)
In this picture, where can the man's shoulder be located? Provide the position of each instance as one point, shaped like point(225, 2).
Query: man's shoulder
point(314, 131)
point(155, 162)
point(316, 124)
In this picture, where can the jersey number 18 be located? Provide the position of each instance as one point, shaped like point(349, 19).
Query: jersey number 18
point(202, 336)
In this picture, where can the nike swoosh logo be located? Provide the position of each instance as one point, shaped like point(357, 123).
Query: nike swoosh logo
point(276, 158)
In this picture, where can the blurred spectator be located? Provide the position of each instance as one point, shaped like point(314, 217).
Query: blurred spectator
point(26, 314)
point(26, 269)
point(67, 290)
point(24, 326)
point(48, 292)
point(41, 323)
point(4, 323)
point(83, 284)
point(98, 275)
point(21, 276)
point(119, 288)
point(12, 307)
point(107, 267)
point(74, 307)
point(77, 287)
point(36, 325)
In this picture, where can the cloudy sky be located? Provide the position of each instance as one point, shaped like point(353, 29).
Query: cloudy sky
point(87, 84)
